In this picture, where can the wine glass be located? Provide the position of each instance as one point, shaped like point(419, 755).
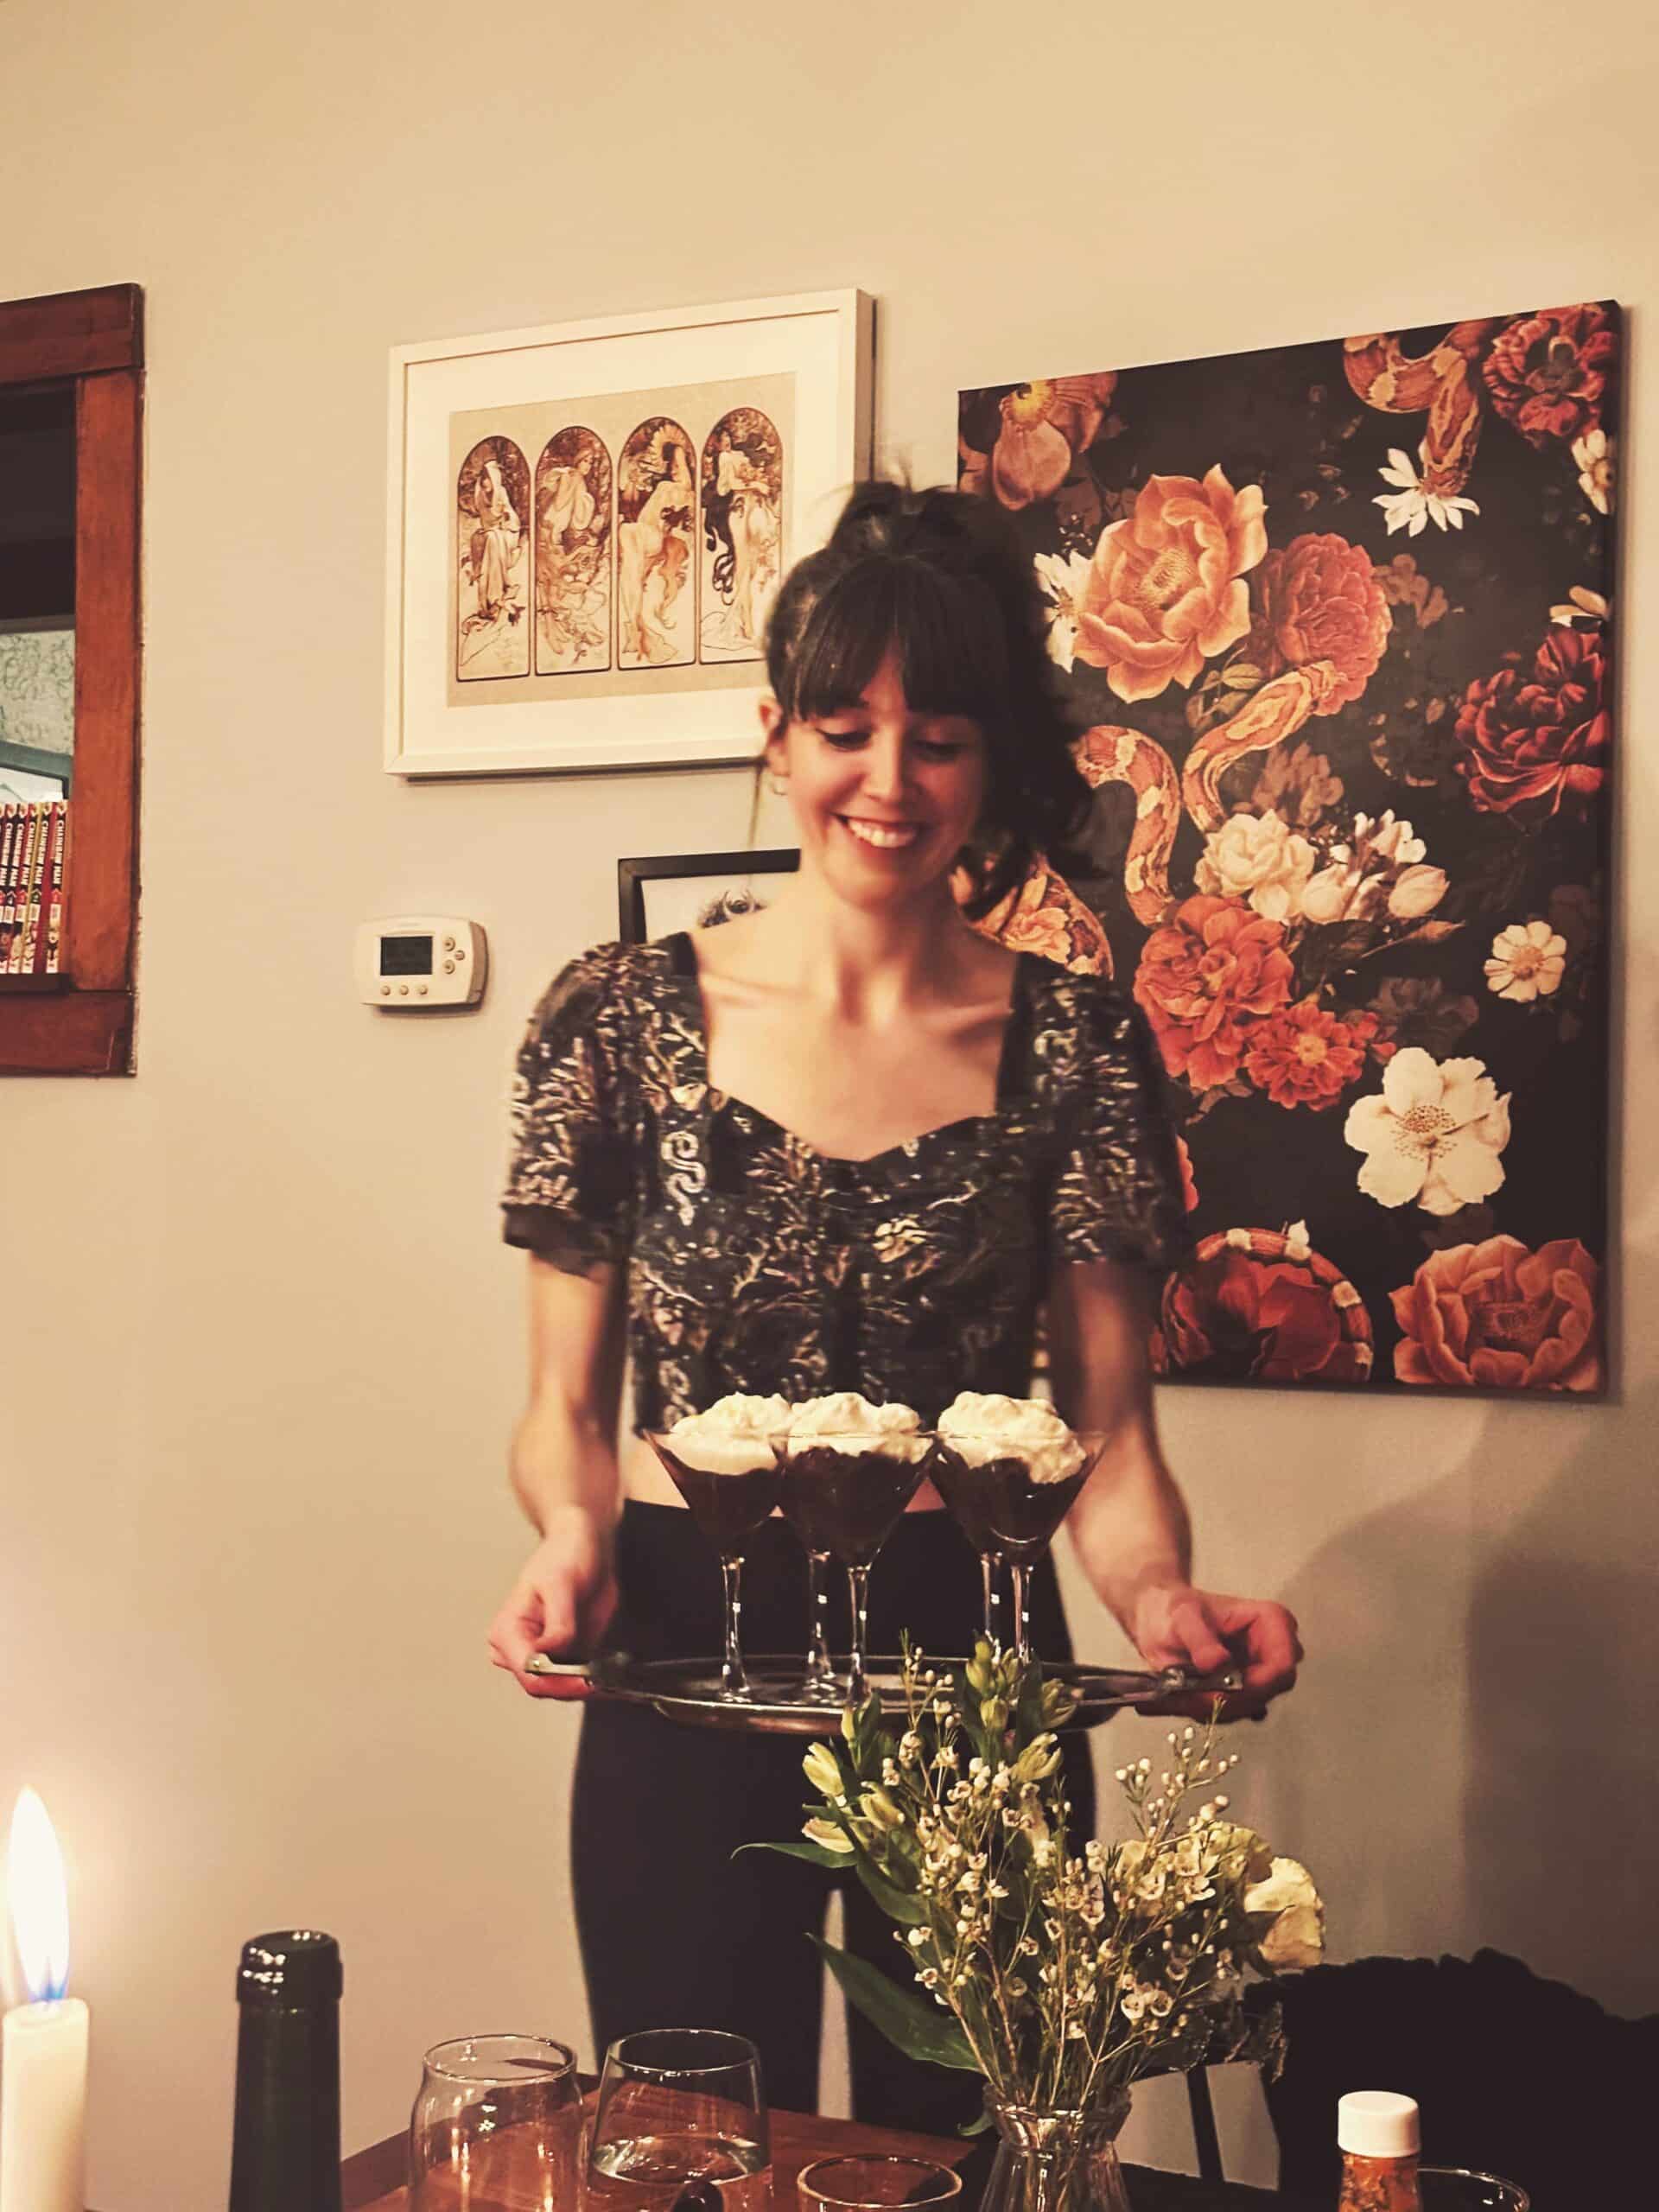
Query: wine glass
point(681, 2120)
point(1006, 1514)
point(729, 1503)
point(498, 2121)
point(1456, 2188)
point(870, 2184)
point(843, 1495)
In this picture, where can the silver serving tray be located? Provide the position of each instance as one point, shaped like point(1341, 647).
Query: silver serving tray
point(689, 1689)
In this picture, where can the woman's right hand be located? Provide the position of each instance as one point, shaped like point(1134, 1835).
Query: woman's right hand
point(561, 1604)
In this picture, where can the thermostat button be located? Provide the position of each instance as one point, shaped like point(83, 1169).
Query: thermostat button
point(403, 990)
point(449, 967)
point(385, 990)
point(448, 944)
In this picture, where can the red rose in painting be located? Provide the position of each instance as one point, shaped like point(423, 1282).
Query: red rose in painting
point(1166, 590)
point(1240, 1319)
point(1318, 599)
point(1211, 972)
point(1533, 739)
point(1495, 1316)
point(1046, 424)
point(1548, 371)
point(1305, 1057)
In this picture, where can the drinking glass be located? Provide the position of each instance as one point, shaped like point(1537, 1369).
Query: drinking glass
point(1008, 1518)
point(872, 2183)
point(728, 1504)
point(496, 2127)
point(681, 2121)
point(1454, 2189)
point(843, 1497)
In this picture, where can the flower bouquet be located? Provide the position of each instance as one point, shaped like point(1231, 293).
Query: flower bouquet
point(1060, 1979)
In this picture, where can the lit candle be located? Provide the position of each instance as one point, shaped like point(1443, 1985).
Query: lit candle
point(42, 2044)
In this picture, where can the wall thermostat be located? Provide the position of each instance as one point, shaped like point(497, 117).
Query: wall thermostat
point(416, 962)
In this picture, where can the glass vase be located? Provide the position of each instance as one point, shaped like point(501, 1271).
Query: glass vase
point(1058, 2161)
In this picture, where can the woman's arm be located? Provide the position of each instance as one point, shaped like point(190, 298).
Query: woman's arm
point(1130, 1523)
point(564, 1470)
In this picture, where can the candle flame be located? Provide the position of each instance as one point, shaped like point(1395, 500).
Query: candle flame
point(39, 1899)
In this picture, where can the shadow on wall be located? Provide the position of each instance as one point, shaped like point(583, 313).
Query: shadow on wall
point(1562, 1788)
point(1361, 1778)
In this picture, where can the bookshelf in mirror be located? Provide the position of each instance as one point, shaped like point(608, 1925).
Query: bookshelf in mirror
point(70, 392)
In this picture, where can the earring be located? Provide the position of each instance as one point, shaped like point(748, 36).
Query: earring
point(778, 785)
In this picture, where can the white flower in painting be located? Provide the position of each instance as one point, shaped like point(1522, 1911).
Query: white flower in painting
point(1417, 891)
point(1527, 962)
point(1593, 455)
point(1063, 577)
point(1580, 608)
point(1259, 858)
point(1411, 507)
point(1434, 1133)
point(1340, 895)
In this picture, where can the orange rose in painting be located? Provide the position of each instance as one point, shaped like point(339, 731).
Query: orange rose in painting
point(1494, 1316)
point(1165, 590)
point(1211, 970)
point(1320, 601)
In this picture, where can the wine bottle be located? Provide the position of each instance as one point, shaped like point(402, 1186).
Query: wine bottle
point(285, 2156)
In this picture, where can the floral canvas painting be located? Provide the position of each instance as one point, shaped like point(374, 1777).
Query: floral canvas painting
point(1338, 620)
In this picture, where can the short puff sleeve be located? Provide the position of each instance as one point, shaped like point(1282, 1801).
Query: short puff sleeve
point(570, 1192)
point(1118, 1189)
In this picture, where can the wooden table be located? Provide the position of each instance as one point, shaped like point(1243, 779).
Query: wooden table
point(374, 2181)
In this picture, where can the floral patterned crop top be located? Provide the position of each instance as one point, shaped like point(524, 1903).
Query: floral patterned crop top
point(754, 1262)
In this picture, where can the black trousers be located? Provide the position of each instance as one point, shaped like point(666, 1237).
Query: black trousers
point(674, 1932)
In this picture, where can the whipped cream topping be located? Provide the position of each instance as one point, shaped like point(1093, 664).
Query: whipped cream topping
point(845, 1418)
point(733, 1437)
point(984, 1425)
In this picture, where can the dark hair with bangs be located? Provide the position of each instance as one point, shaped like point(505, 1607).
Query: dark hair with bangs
point(942, 579)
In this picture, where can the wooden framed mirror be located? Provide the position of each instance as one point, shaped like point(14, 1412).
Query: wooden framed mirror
point(70, 414)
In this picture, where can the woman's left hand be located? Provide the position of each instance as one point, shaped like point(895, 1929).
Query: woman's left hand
point(1175, 1625)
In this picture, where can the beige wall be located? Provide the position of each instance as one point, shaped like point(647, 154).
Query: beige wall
point(263, 1346)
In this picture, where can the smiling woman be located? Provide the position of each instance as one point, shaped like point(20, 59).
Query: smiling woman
point(846, 1144)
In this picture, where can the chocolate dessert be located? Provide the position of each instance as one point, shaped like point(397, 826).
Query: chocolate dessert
point(997, 1505)
point(726, 1507)
point(845, 1501)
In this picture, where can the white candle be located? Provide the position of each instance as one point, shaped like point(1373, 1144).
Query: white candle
point(43, 2107)
point(44, 2044)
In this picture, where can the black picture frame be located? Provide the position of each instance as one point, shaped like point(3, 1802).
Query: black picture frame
point(634, 875)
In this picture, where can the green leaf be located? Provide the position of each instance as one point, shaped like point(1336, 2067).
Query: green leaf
point(1240, 677)
point(814, 1853)
point(899, 1905)
point(913, 2024)
point(977, 2125)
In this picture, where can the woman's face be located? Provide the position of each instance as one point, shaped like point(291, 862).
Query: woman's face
point(885, 798)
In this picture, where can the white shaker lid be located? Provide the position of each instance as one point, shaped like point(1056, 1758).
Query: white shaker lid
point(1378, 2124)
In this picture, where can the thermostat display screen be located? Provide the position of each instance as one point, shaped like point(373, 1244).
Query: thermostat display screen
point(405, 955)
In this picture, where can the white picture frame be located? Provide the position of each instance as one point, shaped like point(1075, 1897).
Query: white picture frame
point(820, 342)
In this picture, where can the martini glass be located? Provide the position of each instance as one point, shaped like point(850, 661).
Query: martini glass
point(728, 1504)
point(843, 1495)
point(818, 1686)
point(1006, 1514)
